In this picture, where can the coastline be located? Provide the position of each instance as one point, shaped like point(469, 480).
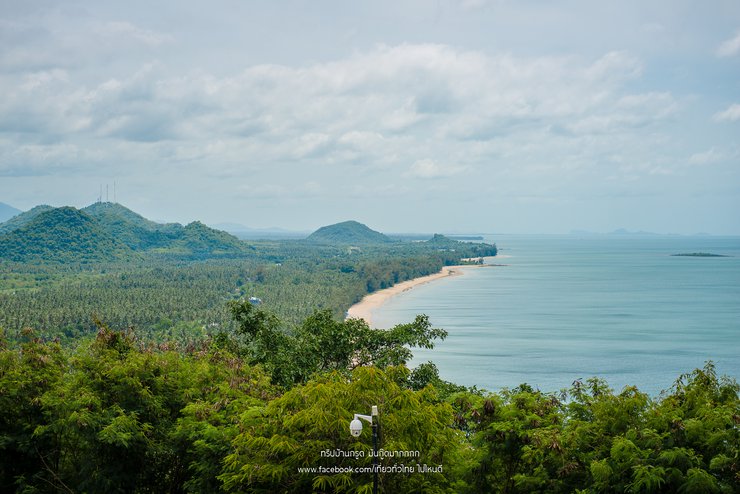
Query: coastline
point(372, 301)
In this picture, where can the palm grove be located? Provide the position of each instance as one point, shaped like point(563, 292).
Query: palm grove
point(148, 371)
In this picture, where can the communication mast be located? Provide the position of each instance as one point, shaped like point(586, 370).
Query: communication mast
point(107, 193)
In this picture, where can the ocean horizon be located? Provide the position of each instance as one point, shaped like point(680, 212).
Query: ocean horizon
point(558, 308)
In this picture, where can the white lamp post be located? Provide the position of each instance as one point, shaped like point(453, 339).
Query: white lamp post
point(355, 428)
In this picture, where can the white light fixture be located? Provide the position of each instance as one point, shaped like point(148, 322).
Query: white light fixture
point(355, 428)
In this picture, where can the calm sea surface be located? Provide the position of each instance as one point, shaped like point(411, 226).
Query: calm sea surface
point(568, 307)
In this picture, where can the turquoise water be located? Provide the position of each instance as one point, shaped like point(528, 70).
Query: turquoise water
point(563, 308)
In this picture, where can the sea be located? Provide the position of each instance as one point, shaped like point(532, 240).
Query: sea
point(553, 309)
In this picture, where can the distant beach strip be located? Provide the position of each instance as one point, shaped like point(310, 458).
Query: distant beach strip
point(373, 301)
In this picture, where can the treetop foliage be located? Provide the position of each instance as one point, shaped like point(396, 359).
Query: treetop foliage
point(322, 343)
point(116, 415)
point(246, 410)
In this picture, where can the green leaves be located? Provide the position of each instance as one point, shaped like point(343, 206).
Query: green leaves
point(124, 430)
point(115, 416)
point(292, 432)
point(647, 478)
point(107, 420)
point(323, 344)
point(600, 441)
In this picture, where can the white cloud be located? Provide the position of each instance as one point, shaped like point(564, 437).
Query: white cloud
point(428, 168)
point(246, 95)
point(731, 114)
point(628, 112)
point(615, 64)
point(660, 103)
point(729, 47)
point(310, 144)
point(410, 89)
point(365, 117)
point(127, 30)
point(706, 157)
point(258, 190)
point(43, 159)
point(653, 28)
point(472, 4)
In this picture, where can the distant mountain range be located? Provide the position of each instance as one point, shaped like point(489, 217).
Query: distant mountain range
point(106, 232)
point(7, 211)
point(248, 233)
point(625, 232)
point(22, 218)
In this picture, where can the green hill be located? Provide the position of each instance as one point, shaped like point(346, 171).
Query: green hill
point(347, 233)
point(62, 235)
point(133, 229)
point(195, 240)
point(200, 240)
point(114, 213)
point(474, 249)
point(442, 241)
point(23, 218)
point(104, 232)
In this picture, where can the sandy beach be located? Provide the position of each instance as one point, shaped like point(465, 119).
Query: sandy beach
point(365, 307)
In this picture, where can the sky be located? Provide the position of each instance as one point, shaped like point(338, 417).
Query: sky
point(458, 116)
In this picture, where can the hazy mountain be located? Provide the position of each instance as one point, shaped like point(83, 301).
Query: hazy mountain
point(441, 241)
point(348, 232)
point(7, 211)
point(245, 232)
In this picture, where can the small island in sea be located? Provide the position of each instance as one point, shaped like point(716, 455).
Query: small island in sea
point(698, 254)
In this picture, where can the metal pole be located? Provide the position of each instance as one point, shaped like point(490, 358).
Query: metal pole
point(375, 457)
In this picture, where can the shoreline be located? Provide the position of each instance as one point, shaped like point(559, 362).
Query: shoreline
point(373, 301)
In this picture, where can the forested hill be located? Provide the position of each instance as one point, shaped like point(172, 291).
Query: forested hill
point(107, 232)
point(61, 235)
point(441, 242)
point(347, 233)
point(23, 218)
point(139, 233)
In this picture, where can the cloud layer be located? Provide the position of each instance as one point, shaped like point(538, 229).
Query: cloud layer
point(113, 96)
point(394, 106)
point(730, 47)
point(731, 114)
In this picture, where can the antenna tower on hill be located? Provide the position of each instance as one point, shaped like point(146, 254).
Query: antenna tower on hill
point(107, 192)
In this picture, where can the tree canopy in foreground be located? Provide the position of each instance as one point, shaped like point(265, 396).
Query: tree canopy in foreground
point(118, 415)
